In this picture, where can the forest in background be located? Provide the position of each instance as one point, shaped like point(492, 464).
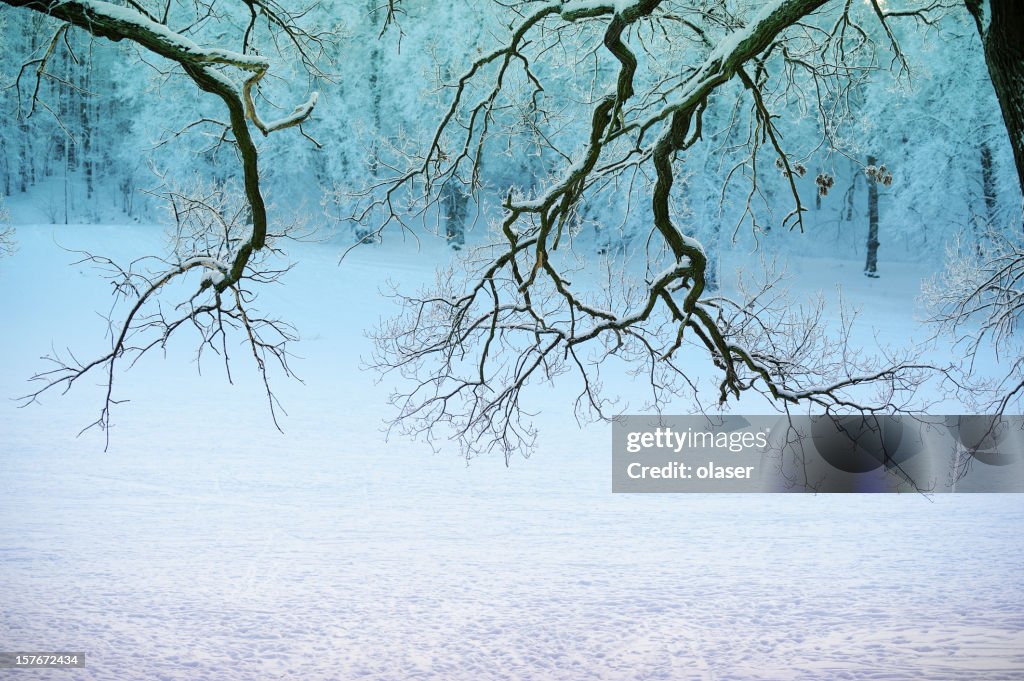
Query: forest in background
point(111, 129)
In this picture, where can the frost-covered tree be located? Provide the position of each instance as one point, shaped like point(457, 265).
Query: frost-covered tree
point(648, 76)
point(937, 131)
point(979, 298)
point(978, 301)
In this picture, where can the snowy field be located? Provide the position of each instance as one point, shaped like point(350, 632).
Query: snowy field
point(205, 545)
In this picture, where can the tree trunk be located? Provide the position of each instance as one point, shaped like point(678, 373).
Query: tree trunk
point(24, 156)
point(374, 81)
point(982, 226)
point(86, 129)
point(7, 167)
point(68, 109)
point(988, 185)
point(126, 195)
point(1001, 25)
point(67, 182)
point(851, 193)
point(817, 195)
point(28, 155)
point(454, 202)
point(871, 266)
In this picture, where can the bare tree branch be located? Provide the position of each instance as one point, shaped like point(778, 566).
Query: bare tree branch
point(226, 245)
point(472, 347)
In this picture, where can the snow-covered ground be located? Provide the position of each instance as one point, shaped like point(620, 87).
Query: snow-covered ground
point(205, 545)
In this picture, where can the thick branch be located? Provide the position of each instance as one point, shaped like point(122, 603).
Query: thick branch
point(121, 23)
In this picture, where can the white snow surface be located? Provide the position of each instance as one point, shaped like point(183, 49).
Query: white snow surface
point(205, 545)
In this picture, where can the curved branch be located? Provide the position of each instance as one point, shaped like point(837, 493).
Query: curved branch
point(118, 23)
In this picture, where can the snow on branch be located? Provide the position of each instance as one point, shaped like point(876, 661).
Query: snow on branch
point(209, 220)
point(472, 346)
point(228, 245)
point(116, 22)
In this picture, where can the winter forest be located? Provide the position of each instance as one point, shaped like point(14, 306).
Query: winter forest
point(262, 259)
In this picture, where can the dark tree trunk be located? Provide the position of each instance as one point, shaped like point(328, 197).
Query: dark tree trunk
point(851, 193)
point(86, 129)
point(68, 109)
point(454, 202)
point(983, 225)
point(817, 196)
point(127, 194)
point(28, 157)
point(988, 185)
point(67, 182)
point(362, 233)
point(374, 81)
point(871, 266)
point(1001, 25)
point(7, 166)
point(24, 156)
